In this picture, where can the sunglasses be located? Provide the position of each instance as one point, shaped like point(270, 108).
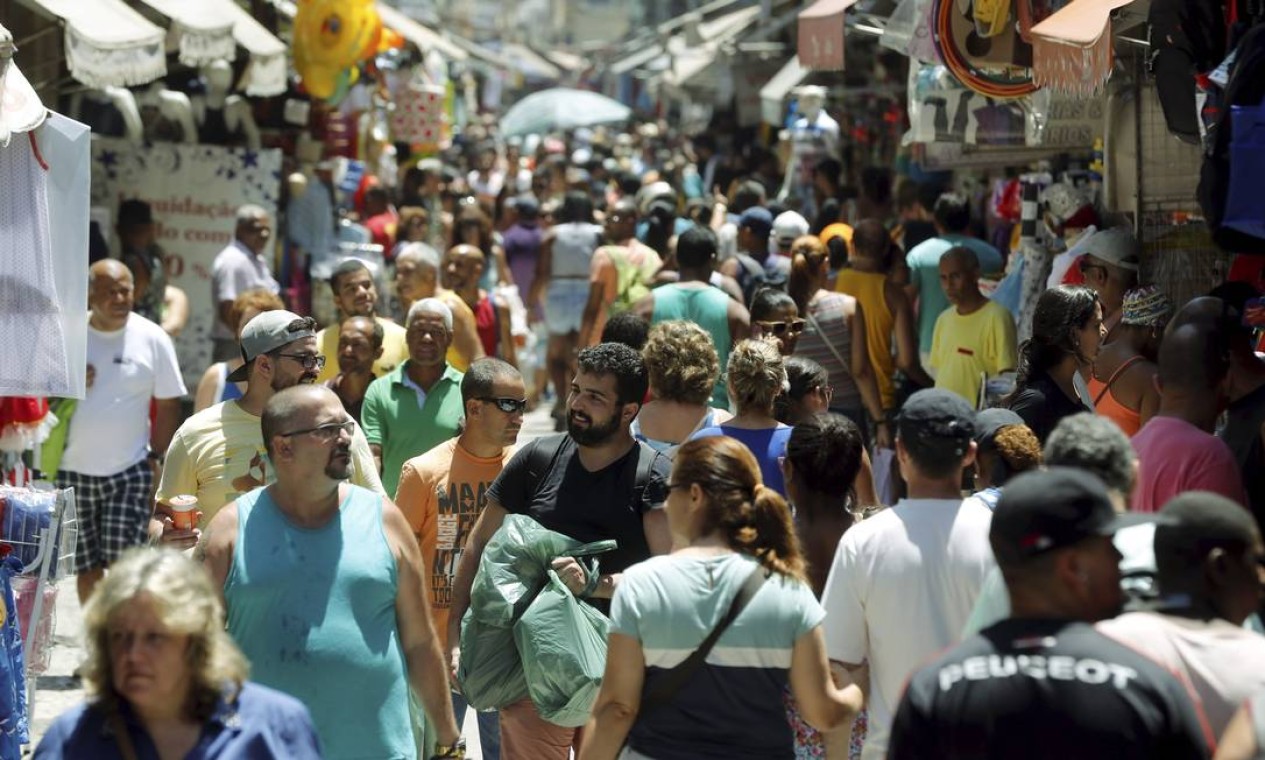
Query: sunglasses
point(326, 433)
point(507, 405)
point(778, 329)
point(309, 361)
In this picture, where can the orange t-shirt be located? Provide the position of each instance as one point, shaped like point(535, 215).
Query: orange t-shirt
point(442, 493)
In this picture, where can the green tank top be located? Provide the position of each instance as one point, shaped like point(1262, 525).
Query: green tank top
point(708, 308)
point(313, 610)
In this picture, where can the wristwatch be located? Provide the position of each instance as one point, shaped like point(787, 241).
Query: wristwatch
point(456, 750)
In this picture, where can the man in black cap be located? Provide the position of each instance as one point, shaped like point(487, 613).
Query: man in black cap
point(1208, 556)
point(904, 581)
point(1043, 683)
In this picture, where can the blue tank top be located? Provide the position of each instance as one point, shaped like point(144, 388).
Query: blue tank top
point(709, 309)
point(313, 610)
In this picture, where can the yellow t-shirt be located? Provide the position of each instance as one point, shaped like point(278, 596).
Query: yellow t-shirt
point(964, 346)
point(218, 454)
point(442, 493)
point(394, 349)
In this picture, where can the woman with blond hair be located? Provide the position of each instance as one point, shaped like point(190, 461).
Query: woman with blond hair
point(682, 365)
point(756, 377)
point(737, 588)
point(835, 338)
point(164, 678)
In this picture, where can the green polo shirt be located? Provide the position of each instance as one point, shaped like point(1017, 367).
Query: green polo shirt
point(392, 418)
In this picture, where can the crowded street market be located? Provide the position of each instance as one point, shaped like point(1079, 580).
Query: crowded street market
point(646, 380)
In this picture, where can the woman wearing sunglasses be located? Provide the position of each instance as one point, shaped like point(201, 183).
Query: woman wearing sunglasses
point(733, 530)
point(775, 315)
point(835, 338)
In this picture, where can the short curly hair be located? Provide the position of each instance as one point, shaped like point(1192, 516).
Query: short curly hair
point(1017, 447)
point(258, 300)
point(1096, 445)
point(682, 362)
point(621, 362)
point(756, 375)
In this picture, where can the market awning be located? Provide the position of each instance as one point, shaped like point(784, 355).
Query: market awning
point(203, 31)
point(423, 37)
point(1072, 50)
point(269, 57)
point(689, 43)
point(821, 35)
point(107, 43)
point(481, 53)
point(530, 63)
point(773, 93)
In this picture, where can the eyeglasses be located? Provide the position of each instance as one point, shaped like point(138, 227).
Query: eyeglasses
point(507, 405)
point(1086, 266)
point(793, 327)
point(309, 361)
point(326, 433)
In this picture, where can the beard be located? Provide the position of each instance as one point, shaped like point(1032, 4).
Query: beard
point(591, 433)
point(339, 466)
point(280, 383)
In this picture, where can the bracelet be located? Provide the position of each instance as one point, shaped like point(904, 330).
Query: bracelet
point(590, 585)
point(456, 750)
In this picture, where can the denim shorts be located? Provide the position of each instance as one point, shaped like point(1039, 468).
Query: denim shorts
point(564, 305)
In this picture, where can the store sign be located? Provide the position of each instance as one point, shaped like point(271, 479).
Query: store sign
point(194, 191)
point(821, 35)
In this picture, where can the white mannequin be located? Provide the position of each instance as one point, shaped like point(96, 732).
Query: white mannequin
point(814, 136)
point(238, 118)
point(174, 107)
point(125, 101)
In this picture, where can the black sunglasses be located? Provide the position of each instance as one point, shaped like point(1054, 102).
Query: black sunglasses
point(507, 405)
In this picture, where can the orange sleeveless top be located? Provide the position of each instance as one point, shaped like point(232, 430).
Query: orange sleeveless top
point(1106, 404)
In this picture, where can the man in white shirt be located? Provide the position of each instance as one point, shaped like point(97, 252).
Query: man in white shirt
point(112, 452)
point(1208, 554)
point(242, 266)
point(904, 581)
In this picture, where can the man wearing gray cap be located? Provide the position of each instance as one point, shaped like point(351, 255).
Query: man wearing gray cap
point(218, 454)
point(1110, 266)
point(904, 581)
point(1044, 683)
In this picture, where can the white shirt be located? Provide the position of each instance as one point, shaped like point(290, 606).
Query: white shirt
point(109, 431)
point(901, 587)
point(236, 270)
point(1223, 663)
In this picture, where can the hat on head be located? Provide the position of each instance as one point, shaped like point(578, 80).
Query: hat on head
point(934, 413)
point(758, 220)
point(527, 206)
point(269, 331)
point(989, 421)
point(789, 225)
point(1116, 246)
point(1146, 307)
point(1050, 509)
point(134, 212)
point(838, 229)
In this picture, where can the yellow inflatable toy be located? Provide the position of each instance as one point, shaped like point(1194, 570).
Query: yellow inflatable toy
point(331, 37)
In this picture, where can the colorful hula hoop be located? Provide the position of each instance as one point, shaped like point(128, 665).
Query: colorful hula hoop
point(971, 76)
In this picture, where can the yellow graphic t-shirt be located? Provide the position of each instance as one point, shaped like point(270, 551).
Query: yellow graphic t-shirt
point(218, 454)
point(442, 493)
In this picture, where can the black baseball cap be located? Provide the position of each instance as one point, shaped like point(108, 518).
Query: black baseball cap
point(933, 415)
point(1050, 509)
point(989, 421)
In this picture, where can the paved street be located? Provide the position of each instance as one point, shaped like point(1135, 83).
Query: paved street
point(57, 691)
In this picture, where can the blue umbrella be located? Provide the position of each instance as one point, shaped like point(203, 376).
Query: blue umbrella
point(561, 108)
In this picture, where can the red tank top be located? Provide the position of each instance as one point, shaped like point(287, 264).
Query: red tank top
point(485, 324)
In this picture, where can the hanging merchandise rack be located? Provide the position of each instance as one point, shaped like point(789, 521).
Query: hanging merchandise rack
point(40, 528)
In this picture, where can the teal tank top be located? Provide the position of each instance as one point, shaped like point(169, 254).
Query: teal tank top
point(709, 309)
point(313, 610)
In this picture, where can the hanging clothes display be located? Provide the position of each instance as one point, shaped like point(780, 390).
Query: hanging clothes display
point(14, 729)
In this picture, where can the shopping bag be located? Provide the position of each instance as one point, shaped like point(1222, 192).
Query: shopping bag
point(512, 569)
point(491, 672)
point(562, 642)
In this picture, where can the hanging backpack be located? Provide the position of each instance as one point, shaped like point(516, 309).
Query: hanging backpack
point(1229, 190)
point(632, 281)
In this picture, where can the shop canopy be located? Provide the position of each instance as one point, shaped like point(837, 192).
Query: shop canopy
point(773, 93)
point(691, 50)
point(107, 43)
point(269, 57)
point(198, 26)
point(530, 63)
point(423, 37)
point(821, 35)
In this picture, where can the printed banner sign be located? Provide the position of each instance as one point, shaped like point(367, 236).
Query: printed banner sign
point(194, 191)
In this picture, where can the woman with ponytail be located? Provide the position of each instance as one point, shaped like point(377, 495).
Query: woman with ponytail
point(727, 525)
point(1067, 330)
point(835, 338)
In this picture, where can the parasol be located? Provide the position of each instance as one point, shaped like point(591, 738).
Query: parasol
point(559, 109)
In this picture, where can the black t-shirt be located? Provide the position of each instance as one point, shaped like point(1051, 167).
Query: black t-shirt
point(1046, 689)
point(1042, 404)
point(587, 506)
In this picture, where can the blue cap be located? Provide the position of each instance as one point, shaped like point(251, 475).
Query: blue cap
point(758, 220)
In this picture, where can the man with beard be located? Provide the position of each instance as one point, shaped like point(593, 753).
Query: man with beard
point(357, 296)
point(359, 346)
point(592, 483)
point(417, 405)
point(218, 454)
point(417, 277)
point(325, 591)
point(463, 267)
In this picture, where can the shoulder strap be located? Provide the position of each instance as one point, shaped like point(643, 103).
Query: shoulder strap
point(122, 739)
point(826, 339)
point(666, 688)
point(1116, 376)
point(540, 459)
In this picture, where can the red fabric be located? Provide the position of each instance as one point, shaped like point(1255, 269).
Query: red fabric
point(1249, 269)
point(1074, 275)
point(485, 324)
point(383, 227)
point(21, 411)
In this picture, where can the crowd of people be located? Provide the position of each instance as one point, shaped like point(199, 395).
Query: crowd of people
point(854, 515)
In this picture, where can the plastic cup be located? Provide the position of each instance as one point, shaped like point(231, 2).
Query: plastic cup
point(184, 512)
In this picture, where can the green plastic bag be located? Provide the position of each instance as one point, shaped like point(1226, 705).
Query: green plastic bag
point(490, 672)
point(562, 643)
